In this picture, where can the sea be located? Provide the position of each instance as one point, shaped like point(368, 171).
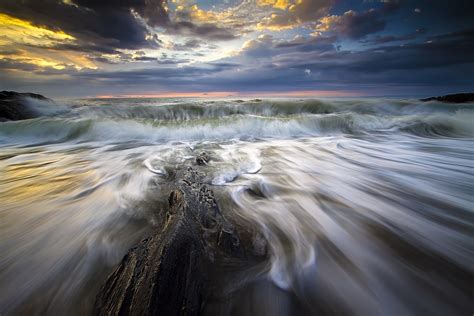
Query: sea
point(366, 204)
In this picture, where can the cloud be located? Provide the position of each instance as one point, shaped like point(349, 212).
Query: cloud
point(35, 66)
point(208, 30)
point(441, 57)
point(302, 63)
point(107, 26)
point(463, 35)
point(266, 47)
point(104, 23)
point(103, 32)
point(190, 20)
point(308, 63)
point(12, 64)
point(355, 25)
point(443, 62)
point(152, 45)
point(191, 45)
point(395, 38)
point(8, 52)
point(293, 14)
point(145, 58)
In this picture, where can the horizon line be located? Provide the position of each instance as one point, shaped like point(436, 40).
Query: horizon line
point(224, 94)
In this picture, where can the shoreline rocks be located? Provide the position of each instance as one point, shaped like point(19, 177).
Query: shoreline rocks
point(171, 272)
point(14, 106)
point(452, 98)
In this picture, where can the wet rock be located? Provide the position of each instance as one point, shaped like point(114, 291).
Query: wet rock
point(202, 159)
point(14, 105)
point(168, 273)
point(259, 245)
point(453, 98)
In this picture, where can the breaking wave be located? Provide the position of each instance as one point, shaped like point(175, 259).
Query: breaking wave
point(237, 126)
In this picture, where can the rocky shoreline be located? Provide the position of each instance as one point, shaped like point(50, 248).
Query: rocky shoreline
point(14, 105)
point(452, 98)
point(170, 272)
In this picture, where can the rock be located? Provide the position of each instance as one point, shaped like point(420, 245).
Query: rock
point(162, 275)
point(14, 107)
point(168, 273)
point(202, 159)
point(453, 98)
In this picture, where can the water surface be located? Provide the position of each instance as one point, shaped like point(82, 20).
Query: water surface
point(366, 205)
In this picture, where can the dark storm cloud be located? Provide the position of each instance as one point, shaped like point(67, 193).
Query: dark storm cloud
point(307, 44)
point(102, 25)
point(437, 62)
point(463, 35)
point(265, 47)
point(144, 58)
point(80, 47)
point(450, 49)
point(207, 30)
point(395, 38)
point(356, 25)
point(104, 60)
point(452, 13)
point(163, 75)
point(445, 62)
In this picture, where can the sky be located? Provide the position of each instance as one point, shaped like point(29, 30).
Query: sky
point(100, 48)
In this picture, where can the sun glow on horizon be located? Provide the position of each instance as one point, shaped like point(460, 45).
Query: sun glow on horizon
point(224, 94)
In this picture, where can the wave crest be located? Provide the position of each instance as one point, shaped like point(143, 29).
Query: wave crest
point(243, 127)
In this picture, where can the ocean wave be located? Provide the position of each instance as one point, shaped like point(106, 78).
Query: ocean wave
point(45, 107)
point(244, 127)
point(185, 111)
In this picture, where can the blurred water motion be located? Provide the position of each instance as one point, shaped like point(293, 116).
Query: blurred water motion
point(366, 205)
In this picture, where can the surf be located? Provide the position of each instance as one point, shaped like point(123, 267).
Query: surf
point(353, 198)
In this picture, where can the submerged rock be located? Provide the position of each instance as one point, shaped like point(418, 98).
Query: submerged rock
point(169, 272)
point(202, 159)
point(14, 105)
point(453, 98)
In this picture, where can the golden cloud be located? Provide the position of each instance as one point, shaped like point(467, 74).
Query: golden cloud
point(15, 30)
point(293, 14)
point(18, 34)
point(278, 4)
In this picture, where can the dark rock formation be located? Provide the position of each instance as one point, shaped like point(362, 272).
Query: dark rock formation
point(14, 107)
point(202, 159)
point(168, 273)
point(453, 98)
